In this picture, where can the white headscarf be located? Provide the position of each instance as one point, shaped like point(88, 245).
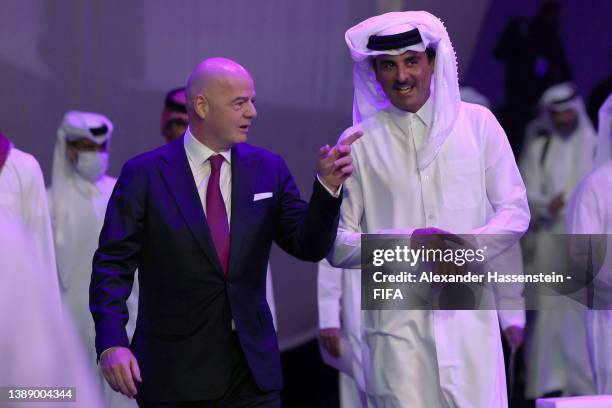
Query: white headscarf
point(562, 97)
point(370, 98)
point(604, 139)
point(64, 179)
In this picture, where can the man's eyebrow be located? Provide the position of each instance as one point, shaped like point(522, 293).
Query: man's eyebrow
point(240, 99)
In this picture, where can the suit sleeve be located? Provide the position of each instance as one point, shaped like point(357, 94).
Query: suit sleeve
point(116, 259)
point(305, 230)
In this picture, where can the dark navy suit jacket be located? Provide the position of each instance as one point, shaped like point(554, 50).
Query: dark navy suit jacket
point(155, 222)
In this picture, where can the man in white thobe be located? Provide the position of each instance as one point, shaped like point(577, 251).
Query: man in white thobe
point(590, 212)
point(559, 153)
point(425, 160)
point(38, 346)
point(78, 196)
point(23, 200)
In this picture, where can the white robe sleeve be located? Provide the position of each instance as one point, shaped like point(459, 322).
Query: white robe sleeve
point(346, 252)
point(505, 191)
point(505, 188)
point(329, 295)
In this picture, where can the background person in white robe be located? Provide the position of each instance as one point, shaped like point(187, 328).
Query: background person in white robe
point(559, 153)
point(23, 199)
point(425, 160)
point(339, 301)
point(78, 196)
point(173, 125)
point(38, 347)
point(590, 212)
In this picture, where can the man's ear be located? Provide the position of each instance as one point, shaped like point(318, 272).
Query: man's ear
point(201, 106)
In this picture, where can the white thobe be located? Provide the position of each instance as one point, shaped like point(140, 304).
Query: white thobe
point(423, 358)
point(39, 347)
point(23, 199)
point(75, 249)
point(590, 212)
point(557, 358)
point(339, 301)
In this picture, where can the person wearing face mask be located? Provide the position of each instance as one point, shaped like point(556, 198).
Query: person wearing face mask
point(560, 146)
point(78, 196)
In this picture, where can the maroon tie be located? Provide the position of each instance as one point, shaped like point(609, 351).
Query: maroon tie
point(215, 212)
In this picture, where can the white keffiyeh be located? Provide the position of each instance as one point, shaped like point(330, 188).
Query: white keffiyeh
point(369, 97)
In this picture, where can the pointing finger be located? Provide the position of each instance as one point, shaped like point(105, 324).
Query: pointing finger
point(349, 140)
point(324, 150)
point(342, 150)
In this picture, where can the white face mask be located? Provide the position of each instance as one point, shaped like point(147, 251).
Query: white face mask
point(92, 165)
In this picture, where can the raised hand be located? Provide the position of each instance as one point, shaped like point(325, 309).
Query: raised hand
point(335, 163)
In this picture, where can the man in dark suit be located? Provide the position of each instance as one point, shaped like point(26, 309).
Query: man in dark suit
point(197, 217)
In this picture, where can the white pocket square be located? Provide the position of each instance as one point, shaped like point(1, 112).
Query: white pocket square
point(261, 196)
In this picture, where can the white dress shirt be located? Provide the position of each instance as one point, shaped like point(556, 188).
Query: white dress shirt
point(198, 155)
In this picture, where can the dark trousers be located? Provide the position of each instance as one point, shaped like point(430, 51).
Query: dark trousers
point(243, 391)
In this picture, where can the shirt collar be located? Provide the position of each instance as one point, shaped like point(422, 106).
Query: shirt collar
point(424, 114)
point(198, 152)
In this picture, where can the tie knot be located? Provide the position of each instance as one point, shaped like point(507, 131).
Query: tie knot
point(215, 162)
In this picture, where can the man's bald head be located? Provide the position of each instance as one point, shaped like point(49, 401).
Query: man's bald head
point(220, 102)
point(209, 73)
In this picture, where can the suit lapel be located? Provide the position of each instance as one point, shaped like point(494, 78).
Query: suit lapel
point(177, 174)
point(242, 196)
